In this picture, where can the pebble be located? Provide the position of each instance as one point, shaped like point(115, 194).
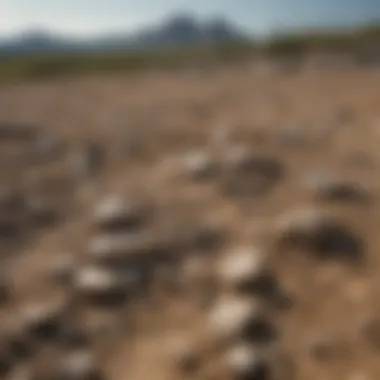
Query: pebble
point(241, 267)
point(247, 363)
point(79, 365)
point(319, 232)
point(42, 321)
point(101, 287)
point(198, 165)
point(122, 248)
point(327, 187)
point(234, 318)
point(248, 173)
point(114, 214)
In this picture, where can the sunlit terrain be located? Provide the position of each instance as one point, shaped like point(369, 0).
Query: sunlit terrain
point(207, 223)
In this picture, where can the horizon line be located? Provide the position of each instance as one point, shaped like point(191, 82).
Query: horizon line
point(125, 31)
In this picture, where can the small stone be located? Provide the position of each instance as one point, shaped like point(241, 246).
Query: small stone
point(114, 214)
point(205, 238)
point(73, 337)
point(241, 267)
point(249, 174)
point(79, 365)
point(247, 363)
point(240, 318)
point(328, 187)
point(101, 287)
point(319, 232)
point(198, 165)
point(122, 248)
point(241, 158)
point(43, 321)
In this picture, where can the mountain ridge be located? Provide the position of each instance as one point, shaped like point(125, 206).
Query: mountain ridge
point(175, 31)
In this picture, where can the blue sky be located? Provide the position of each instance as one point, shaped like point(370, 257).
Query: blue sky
point(88, 17)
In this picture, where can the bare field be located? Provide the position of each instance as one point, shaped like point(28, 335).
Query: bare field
point(273, 169)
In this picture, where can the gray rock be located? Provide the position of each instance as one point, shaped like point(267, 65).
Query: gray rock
point(234, 318)
point(114, 214)
point(102, 287)
point(43, 321)
point(122, 248)
point(80, 365)
point(321, 233)
point(199, 165)
point(250, 174)
point(328, 187)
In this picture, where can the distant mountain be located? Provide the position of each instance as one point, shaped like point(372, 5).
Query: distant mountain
point(35, 41)
point(180, 30)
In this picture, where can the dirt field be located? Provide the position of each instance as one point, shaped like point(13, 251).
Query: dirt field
point(272, 166)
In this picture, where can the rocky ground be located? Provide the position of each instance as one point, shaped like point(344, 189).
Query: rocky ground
point(203, 224)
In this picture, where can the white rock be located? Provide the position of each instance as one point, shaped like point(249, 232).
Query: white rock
point(95, 280)
point(112, 210)
point(244, 360)
point(231, 315)
point(198, 164)
point(240, 266)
